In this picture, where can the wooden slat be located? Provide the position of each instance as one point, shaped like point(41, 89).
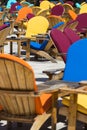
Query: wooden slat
point(9, 102)
point(29, 78)
point(5, 81)
point(3, 103)
point(12, 74)
point(20, 76)
point(32, 105)
point(29, 105)
point(20, 106)
point(26, 105)
point(14, 104)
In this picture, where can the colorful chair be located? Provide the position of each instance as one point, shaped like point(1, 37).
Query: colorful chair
point(53, 20)
point(75, 71)
point(57, 10)
point(22, 13)
point(13, 7)
point(72, 35)
point(46, 5)
point(37, 25)
point(9, 3)
point(62, 41)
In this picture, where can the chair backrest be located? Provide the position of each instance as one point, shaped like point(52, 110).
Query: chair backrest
point(72, 14)
point(10, 2)
point(22, 13)
point(53, 20)
point(16, 75)
point(60, 41)
point(30, 15)
point(83, 8)
point(72, 35)
point(76, 63)
point(67, 7)
point(57, 10)
point(43, 12)
point(13, 7)
point(37, 25)
point(70, 2)
point(46, 4)
point(81, 18)
point(36, 9)
point(17, 84)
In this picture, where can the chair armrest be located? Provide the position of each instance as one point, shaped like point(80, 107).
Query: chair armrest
point(54, 73)
point(56, 85)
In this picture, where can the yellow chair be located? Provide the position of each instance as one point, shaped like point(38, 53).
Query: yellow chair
point(83, 9)
point(46, 5)
point(37, 25)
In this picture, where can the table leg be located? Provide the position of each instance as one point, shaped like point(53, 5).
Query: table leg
point(28, 50)
point(19, 48)
point(54, 109)
point(72, 112)
point(11, 47)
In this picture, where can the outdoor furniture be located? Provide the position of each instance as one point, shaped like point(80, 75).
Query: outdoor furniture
point(76, 71)
point(53, 20)
point(62, 41)
point(21, 98)
point(19, 41)
point(37, 26)
point(57, 10)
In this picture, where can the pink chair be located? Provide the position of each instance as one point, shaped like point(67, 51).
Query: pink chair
point(57, 10)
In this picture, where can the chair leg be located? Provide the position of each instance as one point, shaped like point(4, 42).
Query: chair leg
point(39, 121)
point(9, 125)
point(85, 127)
point(19, 124)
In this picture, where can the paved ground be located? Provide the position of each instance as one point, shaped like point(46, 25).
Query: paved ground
point(38, 67)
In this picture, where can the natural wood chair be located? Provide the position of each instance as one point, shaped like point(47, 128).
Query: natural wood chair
point(53, 20)
point(21, 100)
point(36, 9)
point(62, 41)
point(74, 72)
point(18, 88)
point(18, 100)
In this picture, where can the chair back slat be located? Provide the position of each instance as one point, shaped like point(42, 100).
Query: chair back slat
point(16, 76)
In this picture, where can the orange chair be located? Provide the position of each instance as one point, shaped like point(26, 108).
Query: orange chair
point(22, 13)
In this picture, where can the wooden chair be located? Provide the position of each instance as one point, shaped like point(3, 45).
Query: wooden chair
point(17, 98)
point(22, 100)
point(46, 5)
point(36, 9)
point(32, 30)
point(75, 71)
point(57, 10)
point(53, 20)
point(62, 41)
point(43, 12)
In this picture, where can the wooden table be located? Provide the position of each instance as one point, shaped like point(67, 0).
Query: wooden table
point(19, 41)
point(61, 88)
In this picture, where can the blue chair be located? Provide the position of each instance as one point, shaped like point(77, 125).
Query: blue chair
point(39, 48)
point(76, 71)
point(76, 64)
